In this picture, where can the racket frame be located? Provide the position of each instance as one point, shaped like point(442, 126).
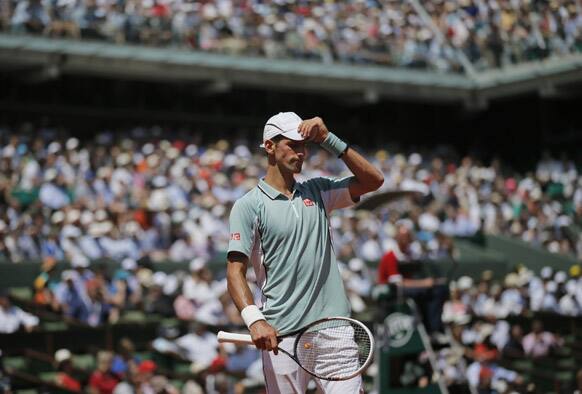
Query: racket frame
point(246, 339)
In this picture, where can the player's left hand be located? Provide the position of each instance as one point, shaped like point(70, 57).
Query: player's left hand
point(313, 130)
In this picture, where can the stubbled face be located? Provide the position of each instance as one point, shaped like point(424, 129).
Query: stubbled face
point(288, 154)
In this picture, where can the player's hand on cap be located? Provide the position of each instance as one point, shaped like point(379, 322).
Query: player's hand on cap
point(264, 336)
point(313, 130)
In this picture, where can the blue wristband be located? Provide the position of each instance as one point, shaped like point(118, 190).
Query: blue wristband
point(334, 145)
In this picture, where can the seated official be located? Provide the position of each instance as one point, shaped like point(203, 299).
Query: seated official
point(428, 293)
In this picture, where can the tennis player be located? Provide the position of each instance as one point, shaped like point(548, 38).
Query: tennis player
point(282, 227)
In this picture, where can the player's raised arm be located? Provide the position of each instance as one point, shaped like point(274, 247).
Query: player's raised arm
point(367, 178)
point(263, 334)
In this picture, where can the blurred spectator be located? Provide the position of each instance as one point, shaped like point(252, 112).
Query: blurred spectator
point(488, 377)
point(13, 318)
point(44, 284)
point(514, 347)
point(5, 383)
point(103, 380)
point(539, 343)
point(429, 294)
point(30, 16)
point(125, 361)
point(199, 346)
point(200, 299)
point(455, 310)
point(65, 376)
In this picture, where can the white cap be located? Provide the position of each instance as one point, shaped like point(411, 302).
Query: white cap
point(72, 143)
point(128, 264)
point(356, 264)
point(68, 274)
point(465, 283)
point(159, 278)
point(70, 231)
point(62, 355)
point(197, 264)
point(79, 261)
point(571, 287)
point(551, 287)
point(560, 277)
point(285, 124)
point(546, 272)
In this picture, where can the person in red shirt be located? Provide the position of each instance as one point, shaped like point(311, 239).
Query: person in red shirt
point(103, 380)
point(429, 294)
point(64, 377)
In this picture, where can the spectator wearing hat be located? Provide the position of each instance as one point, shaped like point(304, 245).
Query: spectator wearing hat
point(568, 303)
point(511, 298)
point(455, 310)
point(357, 283)
point(65, 375)
point(200, 294)
point(13, 318)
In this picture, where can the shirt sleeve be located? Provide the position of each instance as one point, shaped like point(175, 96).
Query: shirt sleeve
point(27, 319)
point(335, 192)
point(242, 222)
point(388, 267)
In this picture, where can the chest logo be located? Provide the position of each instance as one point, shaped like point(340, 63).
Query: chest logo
point(308, 202)
point(235, 236)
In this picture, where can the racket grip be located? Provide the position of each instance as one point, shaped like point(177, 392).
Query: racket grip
point(230, 337)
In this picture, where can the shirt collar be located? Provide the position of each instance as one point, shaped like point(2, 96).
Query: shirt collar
point(270, 191)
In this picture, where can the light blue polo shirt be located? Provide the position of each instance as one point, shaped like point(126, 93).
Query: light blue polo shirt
point(288, 242)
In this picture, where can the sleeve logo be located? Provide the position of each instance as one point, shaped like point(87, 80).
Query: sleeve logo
point(308, 202)
point(235, 236)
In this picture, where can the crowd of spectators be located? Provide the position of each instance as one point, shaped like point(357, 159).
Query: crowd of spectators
point(494, 333)
point(490, 33)
point(486, 334)
point(479, 331)
point(139, 199)
point(498, 33)
point(135, 194)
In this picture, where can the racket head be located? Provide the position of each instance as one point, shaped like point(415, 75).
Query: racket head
point(334, 348)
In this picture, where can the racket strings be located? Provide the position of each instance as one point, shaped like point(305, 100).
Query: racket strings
point(333, 349)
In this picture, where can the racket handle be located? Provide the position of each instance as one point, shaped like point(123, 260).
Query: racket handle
point(230, 337)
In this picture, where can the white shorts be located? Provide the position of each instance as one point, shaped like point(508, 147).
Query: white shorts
point(285, 376)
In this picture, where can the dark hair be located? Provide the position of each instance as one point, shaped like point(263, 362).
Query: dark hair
point(277, 138)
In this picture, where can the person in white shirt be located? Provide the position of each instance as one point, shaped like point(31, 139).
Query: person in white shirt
point(200, 346)
point(12, 318)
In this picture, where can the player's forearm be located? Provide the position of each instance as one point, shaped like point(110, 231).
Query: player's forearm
point(238, 287)
point(368, 177)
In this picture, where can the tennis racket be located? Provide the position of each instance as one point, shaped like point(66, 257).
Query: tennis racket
point(334, 348)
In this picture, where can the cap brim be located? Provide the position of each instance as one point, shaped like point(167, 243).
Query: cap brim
point(292, 135)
